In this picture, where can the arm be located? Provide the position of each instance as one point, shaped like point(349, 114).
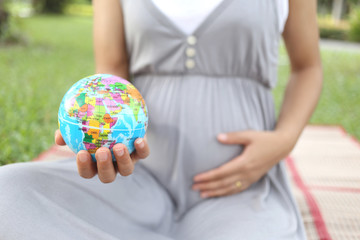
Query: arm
point(111, 58)
point(109, 39)
point(304, 87)
point(301, 96)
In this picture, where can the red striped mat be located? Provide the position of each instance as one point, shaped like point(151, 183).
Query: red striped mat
point(325, 171)
point(324, 168)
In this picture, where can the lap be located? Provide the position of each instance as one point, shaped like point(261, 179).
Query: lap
point(255, 214)
point(52, 195)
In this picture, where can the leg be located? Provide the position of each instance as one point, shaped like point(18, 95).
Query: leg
point(261, 212)
point(47, 200)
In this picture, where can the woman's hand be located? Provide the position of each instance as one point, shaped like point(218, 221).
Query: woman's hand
point(262, 150)
point(104, 166)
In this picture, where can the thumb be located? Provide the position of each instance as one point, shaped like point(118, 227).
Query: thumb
point(58, 138)
point(240, 137)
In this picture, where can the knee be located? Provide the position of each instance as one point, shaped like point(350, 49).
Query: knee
point(15, 177)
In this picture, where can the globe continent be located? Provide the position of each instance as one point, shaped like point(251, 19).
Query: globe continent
point(100, 111)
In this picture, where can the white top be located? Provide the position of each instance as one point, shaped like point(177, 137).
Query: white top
point(189, 14)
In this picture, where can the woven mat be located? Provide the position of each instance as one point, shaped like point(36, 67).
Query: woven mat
point(325, 171)
point(324, 168)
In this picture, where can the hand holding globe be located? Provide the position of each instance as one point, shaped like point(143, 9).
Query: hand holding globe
point(103, 118)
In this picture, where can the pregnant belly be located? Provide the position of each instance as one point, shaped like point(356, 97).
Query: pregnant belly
point(187, 112)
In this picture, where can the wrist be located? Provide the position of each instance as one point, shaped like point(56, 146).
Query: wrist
point(288, 137)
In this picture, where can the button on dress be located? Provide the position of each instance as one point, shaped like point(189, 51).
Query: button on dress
point(217, 79)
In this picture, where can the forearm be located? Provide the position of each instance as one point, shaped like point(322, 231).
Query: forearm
point(300, 99)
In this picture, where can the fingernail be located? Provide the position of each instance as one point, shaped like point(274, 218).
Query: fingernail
point(140, 142)
point(82, 157)
point(102, 156)
point(197, 179)
point(222, 137)
point(119, 152)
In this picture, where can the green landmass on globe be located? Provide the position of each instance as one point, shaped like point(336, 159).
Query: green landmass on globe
point(100, 111)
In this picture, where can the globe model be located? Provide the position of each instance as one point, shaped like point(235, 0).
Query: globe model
point(100, 111)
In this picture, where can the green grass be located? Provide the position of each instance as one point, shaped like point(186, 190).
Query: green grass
point(340, 98)
point(34, 78)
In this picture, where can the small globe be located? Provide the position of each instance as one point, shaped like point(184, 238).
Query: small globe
point(100, 111)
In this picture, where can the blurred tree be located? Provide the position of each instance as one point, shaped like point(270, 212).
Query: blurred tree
point(50, 6)
point(4, 18)
point(324, 6)
point(338, 8)
point(354, 33)
point(354, 2)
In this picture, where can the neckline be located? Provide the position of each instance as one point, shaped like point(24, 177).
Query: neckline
point(166, 20)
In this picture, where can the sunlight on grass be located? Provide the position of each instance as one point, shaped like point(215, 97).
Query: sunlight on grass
point(328, 21)
point(79, 10)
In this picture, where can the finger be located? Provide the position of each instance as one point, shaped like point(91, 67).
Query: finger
point(105, 166)
point(212, 185)
point(219, 192)
point(225, 191)
point(223, 171)
point(123, 159)
point(141, 149)
point(58, 138)
point(240, 137)
point(86, 167)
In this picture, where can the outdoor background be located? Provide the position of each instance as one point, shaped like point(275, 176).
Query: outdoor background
point(46, 46)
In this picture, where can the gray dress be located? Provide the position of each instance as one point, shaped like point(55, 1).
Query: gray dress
point(222, 84)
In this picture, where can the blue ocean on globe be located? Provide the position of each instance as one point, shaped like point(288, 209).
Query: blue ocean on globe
point(100, 111)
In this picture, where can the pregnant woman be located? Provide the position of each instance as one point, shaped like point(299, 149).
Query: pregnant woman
point(212, 164)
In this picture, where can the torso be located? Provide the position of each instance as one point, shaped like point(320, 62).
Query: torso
point(226, 88)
